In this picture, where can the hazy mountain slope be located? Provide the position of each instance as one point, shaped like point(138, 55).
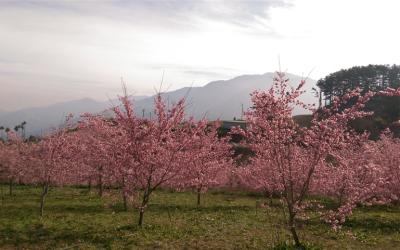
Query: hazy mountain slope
point(2, 112)
point(219, 99)
point(224, 99)
point(51, 116)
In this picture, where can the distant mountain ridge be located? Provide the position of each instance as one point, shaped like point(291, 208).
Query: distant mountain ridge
point(42, 118)
point(3, 112)
point(221, 99)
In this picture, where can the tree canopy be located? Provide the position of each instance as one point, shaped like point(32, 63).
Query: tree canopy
point(367, 78)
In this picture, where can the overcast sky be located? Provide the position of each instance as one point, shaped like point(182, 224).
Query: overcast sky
point(54, 51)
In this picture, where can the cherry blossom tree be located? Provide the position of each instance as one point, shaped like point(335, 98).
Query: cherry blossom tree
point(289, 156)
point(258, 177)
point(93, 137)
point(351, 176)
point(210, 161)
point(384, 153)
point(11, 158)
point(3, 165)
point(105, 153)
point(48, 161)
point(156, 147)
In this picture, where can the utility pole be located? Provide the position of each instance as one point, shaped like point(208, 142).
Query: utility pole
point(241, 115)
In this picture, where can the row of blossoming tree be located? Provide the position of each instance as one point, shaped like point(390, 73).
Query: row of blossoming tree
point(125, 152)
point(294, 163)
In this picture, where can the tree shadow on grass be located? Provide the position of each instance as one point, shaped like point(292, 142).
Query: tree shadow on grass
point(18, 212)
point(38, 237)
point(381, 208)
point(12, 211)
point(155, 207)
point(30, 235)
point(374, 224)
point(75, 208)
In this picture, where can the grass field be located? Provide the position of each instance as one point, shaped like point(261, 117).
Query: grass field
point(75, 219)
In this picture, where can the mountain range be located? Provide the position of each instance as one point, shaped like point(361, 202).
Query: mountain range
point(2, 112)
point(223, 99)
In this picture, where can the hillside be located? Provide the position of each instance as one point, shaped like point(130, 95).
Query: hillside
point(221, 99)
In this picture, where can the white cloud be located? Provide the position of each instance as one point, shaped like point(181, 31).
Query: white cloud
point(61, 50)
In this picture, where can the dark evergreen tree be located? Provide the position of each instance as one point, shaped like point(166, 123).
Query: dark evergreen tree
point(371, 77)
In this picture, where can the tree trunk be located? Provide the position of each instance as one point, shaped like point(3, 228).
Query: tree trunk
point(143, 206)
point(43, 197)
point(125, 201)
point(90, 185)
point(292, 229)
point(141, 214)
point(124, 196)
point(100, 186)
point(2, 194)
point(198, 197)
point(11, 186)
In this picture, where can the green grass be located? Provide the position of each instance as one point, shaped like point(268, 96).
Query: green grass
point(75, 219)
